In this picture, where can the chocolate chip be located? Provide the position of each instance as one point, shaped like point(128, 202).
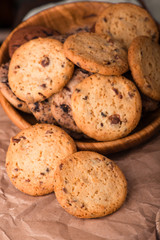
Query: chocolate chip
point(103, 114)
point(65, 108)
point(146, 19)
point(19, 105)
point(115, 90)
point(16, 140)
point(17, 66)
point(49, 132)
point(42, 173)
point(85, 98)
point(45, 61)
point(23, 137)
point(47, 169)
point(43, 85)
point(77, 90)
point(101, 124)
point(61, 166)
point(105, 19)
point(82, 206)
point(67, 88)
point(36, 107)
point(27, 180)
point(115, 119)
point(64, 190)
point(16, 169)
point(106, 62)
point(131, 94)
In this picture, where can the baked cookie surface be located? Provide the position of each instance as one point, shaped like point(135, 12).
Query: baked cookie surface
point(106, 107)
point(26, 34)
point(96, 53)
point(61, 102)
point(33, 155)
point(7, 92)
point(89, 185)
point(125, 21)
point(144, 61)
point(38, 69)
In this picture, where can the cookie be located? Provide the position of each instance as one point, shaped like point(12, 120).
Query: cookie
point(96, 53)
point(38, 69)
point(33, 155)
point(61, 102)
point(148, 104)
point(106, 108)
point(144, 59)
point(89, 185)
point(25, 34)
point(125, 21)
point(42, 111)
point(7, 92)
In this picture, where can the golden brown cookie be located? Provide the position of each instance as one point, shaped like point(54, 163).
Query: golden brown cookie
point(106, 108)
point(33, 155)
point(125, 21)
point(38, 69)
point(89, 185)
point(144, 61)
point(97, 53)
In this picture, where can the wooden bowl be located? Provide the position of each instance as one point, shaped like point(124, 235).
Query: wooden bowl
point(66, 18)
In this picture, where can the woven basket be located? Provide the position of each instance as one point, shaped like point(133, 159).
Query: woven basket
point(66, 18)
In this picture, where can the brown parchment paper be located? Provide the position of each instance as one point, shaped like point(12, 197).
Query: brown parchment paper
point(23, 217)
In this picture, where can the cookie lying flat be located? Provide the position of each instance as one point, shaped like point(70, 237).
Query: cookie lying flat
point(144, 59)
point(97, 53)
point(42, 111)
point(61, 102)
point(38, 69)
point(89, 185)
point(33, 155)
point(26, 34)
point(7, 92)
point(125, 21)
point(106, 107)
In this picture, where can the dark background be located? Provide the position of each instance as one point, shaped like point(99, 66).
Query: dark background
point(13, 11)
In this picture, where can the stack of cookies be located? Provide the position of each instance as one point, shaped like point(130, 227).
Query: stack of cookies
point(77, 80)
point(91, 84)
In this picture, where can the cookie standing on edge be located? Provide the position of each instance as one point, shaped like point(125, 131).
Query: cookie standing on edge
point(106, 108)
point(61, 102)
point(7, 92)
point(144, 61)
point(38, 69)
point(25, 34)
point(42, 111)
point(97, 53)
point(33, 155)
point(126, 21)
point(89, 185)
